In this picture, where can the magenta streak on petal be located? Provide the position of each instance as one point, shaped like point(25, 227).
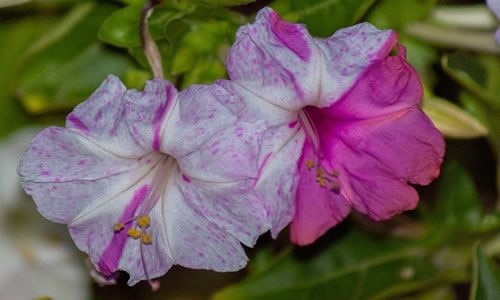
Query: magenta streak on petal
point(291, 36)
point(77, 122)
point(292, 124)
point(261, 167)
point(158, 119)
point(112, 254)
point(186, 179)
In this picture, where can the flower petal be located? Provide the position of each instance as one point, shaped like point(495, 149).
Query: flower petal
point(281, 63)
point(147, 111)
point(238, 133)
point(318, 208)
point(276, 60)
point(101, 119)
point(194, 241)
point(347, 55)
point(391, 143)
point(110, 251)
point(387, 87)
point(66, 173)
point(494, 6)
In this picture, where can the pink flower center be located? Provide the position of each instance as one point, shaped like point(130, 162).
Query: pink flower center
point(324, 178)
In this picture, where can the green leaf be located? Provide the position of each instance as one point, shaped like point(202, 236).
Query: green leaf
point(122, 28)
point(480, 74)
point(396, 14)
point(68, 63)
point(468, 17)
point(355, 267)
point(323, 17)
point(488, 115)
point(486, 280)
point(452, 120)
point(445, 37)
point(458, 206)
point(18, 34)
point(201, 52)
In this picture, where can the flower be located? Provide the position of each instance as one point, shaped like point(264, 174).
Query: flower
point(352, 116)
point(37, 260)
point(494, 5)
point(149, 179)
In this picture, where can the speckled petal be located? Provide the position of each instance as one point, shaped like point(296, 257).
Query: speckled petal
point(194, 241)
point(276, 60)
point(93, 233)
point(235, 135)
point(66, 172)
point(281, 63)
point(347, 55)
point(101, 119)
point(147, 112)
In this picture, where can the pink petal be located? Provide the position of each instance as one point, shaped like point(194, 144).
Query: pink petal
point(346, 56)
point(380, 140)
point(318, 209)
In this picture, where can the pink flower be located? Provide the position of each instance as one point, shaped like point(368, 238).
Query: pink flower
point(149, 179)
point(494, 5)
point(349, 116)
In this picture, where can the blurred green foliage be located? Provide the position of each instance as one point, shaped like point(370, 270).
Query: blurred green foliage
point(55, 53)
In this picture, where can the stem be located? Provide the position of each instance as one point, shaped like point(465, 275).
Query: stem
point(150, 48)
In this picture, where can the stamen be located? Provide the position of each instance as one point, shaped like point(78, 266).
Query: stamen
point(309, 128)
point(146, 239)
point(134, 233)
point(309, 164)
point(324, 178)
point(143, 221)
point(118, 227)
point(155, 284)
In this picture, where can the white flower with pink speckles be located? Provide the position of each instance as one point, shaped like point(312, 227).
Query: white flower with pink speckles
point(149, 179)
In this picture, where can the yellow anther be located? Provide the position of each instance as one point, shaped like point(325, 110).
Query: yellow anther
point(146, 239)
point(320, 172)
point(118, 227)
point(143, 221)
point(309, 164)
point(321, 181)
point(134, 233)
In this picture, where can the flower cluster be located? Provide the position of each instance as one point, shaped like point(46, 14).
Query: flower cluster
point(303, 131)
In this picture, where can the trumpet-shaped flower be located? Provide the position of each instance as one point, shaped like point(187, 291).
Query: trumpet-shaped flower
point(495, 8)
point(348, 115)
point(149, 179)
